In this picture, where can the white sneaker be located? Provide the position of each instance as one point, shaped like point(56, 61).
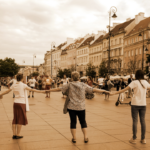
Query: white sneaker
point(143, 141)
point(132, 141)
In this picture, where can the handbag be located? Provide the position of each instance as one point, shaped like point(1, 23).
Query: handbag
point(65, 109)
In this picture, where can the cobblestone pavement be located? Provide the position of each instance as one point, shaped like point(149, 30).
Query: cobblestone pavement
point(109, 127)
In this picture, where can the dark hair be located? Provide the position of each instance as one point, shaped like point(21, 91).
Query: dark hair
point(139, 75)
point(19, 77)
point(90, 78)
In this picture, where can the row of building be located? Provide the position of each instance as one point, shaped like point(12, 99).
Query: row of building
point(126, 47)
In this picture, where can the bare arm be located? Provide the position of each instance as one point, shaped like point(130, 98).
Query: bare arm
point(100, 91)
point(6, 92)
point(55, 90)
point(33, 90)
point(121, 91)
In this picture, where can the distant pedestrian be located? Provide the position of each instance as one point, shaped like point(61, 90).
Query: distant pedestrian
point(11, 82)
point(40, 83)
point(65, 81)
point(130, 91)
point(138, 104)
point(48, 81)
point(32, 83)
point(20, 105)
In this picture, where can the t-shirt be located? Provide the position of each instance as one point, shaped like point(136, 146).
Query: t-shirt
point(100, 81)
point(19, 91)
point(65, 81)
point(139, 97)
point(32, 82)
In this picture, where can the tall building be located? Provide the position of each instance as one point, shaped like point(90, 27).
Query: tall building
point(83, 54)
point(133, 45)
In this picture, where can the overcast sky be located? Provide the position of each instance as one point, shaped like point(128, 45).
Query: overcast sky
point(28, 27)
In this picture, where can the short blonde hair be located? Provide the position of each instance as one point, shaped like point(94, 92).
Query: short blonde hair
point(75, 76)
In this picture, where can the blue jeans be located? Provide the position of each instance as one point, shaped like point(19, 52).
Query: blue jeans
point(141, 110)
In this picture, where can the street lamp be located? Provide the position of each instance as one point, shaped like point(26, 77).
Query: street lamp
point(56, 67)
point(113, 10)
point(52, 46)
point(140, 35)
point(75, 63)
point(34, 56)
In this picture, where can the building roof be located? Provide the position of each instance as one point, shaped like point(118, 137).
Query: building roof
point(61, 45)
point(141, 25)
point(87, 41)
point(100, 39)
point(119, 28)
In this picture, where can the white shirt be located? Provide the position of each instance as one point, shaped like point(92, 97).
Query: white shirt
point(64, 81)
point(19, 91)
point(100, 81)
point(32, 82)
point(139, 97)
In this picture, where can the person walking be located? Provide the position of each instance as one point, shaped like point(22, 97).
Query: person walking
point(31, 83)
point(100, 82)
point(48, 81)
point(130, 91)
point(20, 105)
point(138, 104)
point(122, 85)
point(40, 83)
point(76, 106)
point(64, 81)
point(13, 81)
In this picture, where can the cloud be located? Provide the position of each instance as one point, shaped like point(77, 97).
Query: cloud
point(29, 26)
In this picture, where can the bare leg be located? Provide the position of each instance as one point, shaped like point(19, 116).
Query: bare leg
point(14, 129)
point(73, 132)
point(18, 129)
point(32, 93)
point(84, 130)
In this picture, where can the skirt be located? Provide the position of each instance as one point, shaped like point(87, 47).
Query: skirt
point(19, 114)
point(47, 87)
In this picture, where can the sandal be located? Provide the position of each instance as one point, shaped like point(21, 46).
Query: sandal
point(73, 141)
point(86, 140)
point(19, 137)
point(14, 137)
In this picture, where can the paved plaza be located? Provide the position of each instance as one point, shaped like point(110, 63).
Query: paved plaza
point(109, 127)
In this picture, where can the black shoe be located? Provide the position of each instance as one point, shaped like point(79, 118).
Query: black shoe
point(14, 137)
point(73, 141)
point(86, 141)
point(32, 96)
point(29, 96)
point(19, 137)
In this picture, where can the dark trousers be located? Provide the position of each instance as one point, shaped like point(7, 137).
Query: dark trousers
point(73, 118)
point(0, 87)
point(40, 87)
point(141, 110)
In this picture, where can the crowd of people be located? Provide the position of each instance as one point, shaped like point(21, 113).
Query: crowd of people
point(75, 90)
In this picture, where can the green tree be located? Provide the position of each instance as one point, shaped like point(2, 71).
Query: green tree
point(90, 70)
point(8, 67)
point(35, 74)
point(103, 70)
point(60, 73)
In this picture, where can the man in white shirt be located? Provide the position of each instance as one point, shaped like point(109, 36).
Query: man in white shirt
point(32, 83)
point(100, 82)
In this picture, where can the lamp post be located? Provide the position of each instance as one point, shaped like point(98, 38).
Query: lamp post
point(34, 56)
point(113, 10)
point(56, 67)
point(140, 35)
point(75, 64)
point(52, 46)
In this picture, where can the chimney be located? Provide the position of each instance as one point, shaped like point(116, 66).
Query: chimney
point(69, 41)
point(139, 17)
point(128, 19)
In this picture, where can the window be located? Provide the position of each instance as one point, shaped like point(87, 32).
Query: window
point(115, 41)
point(145, 36)
point(98, 48)
point(125, 42)
point(119, 51)
point(84, 51)
point(132, 52)
point(111, 42)
point(124, 65)
point(140, 65)
point(128, 41)
point(112, 53)
point(97, 58)
point(104, 45)
point(139, 50)
point(125, 54)
point(129, 53)
point(120, 41)
point(136, 52)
